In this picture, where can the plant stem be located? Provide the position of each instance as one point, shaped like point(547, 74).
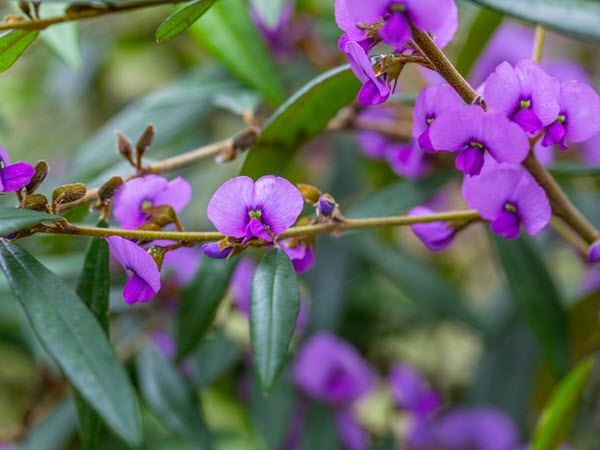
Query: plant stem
point(538, 46)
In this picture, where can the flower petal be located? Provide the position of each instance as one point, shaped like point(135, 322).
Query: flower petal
point(506, 224)
point(256, 229)
point(506, 141)
point(279, 201)
point(15, 176)
point(430, 103)
point(581, 106)
point(135, 259)
point(129, 198)
point(137, 290)
point(429, 15)
point(229, 206)
point(359, 62)
point(212, 250)
point(532, 204)
point(177, 194)
point(396, 30)
point(436, 236)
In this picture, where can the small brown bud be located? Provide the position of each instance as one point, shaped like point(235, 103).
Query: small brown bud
point(41, 172)
point(310, 193)
point(124, 148)
point(108, 189)
point(11, 20)
point(144, 142)
point(36, 202)
point(69, 193)
point(245, 139)
point(24, 6)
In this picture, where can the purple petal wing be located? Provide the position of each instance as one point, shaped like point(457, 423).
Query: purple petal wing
point(366, 13)
point(444, 33)
point(280, 202)
point(15, 176)
point(229, 206)
point(212, 250)
point(370, 94)
point(430, 103)
point(581, 106)
point(351, 432)
point(4, 157)
point(177, 194)
point(532, 204)
point(359, 62)
point(137, 290)
point(428, 15)
point(506, 141)
point(436, 236)
point(536, 82)
point(453, 129)
point(396, 31)
point(502, 90)
point(129, 198)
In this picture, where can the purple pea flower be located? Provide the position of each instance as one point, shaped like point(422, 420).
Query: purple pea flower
point(407, 160)
point(351, 433)
point(411, 392)
point(524, 94)
point(430, 103)
point(212, 250)
point(579, 109)
point(375, 89)
point(331, 370)
point(372, 143)
point(436, 236)
point(144, 277)
point(301, 254)
point(508, 197)
point(471, 132)
point(244, 209)
point(135, 195)
point(13, 176)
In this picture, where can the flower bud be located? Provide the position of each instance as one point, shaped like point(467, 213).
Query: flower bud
point(326, 206)
point(162, 215)
point(144, 142)
point(69, 193)
point(41, 172)
point(213, 250)
point(36, 202)
point(594, 252)
point(108, 189)
point(124, 148)
point(310, 193)
point(245, 139)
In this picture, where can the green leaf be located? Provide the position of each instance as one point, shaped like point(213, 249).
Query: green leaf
point(320, 429)
point(536, 298)
point(14, 219)
point(62, 38)
point(583, 325)
point(222, 354)
point(54, 431)
point(13, 44)
point(269, 10)
point(274, 308)
point(73, 337)
point(557, 418)
point(199, 301)
point(299, 120)
point(182, 19)
point(170, 397)
point(578, 18)
point(94, 288)
point(483, 27)
point(228, 33)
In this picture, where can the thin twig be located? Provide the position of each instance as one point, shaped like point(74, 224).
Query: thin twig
point(538, 46)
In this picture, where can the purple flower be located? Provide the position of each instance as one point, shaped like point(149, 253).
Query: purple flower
point(372, 143)
point(430, 103)
point(212, 250)
point(590, 151)
point(594, 253)
point(524, 94)
point(411, 392)
point(567, 70)
point(375, 89)
point(13, 176)
point(352, 434)
point(165, 343)
point(436, 236)
point(140, 193)
point(508, 197)
point(577, 117)
point(407, 160)
point(301, 254)
point(244, 209)
point(471, 131)
point(144, 277)
point(240, 284)
point(326, 207)
point(183, 262)
point(331, 370)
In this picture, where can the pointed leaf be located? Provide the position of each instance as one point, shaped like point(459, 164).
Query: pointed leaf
point(299, 120)
point(182, 19)
point(274, 308)
point(73, 337)
point(14, 219)
point(13, 44)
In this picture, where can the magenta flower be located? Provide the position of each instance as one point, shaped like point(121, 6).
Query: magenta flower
point(411, 392)
point(375, 89)
point(244, 209)
point(212, 250)
point(577, 117)
point(430, 103)
point(302, 255)
point(508, 197)
point(436, 236)
point(471, 132)
point(372, 143)
point(331, 370)
point(140, 193)
point(524, 94)
point(144, 277)
point(407, 160)
point(13, 176)
point(352, 434)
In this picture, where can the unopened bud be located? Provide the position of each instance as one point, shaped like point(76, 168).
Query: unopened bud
point(594, 252)
point(108, 189)
point(124, 148)
point(24, 6)
point(245, 139)
point(36, 202)
point(144, 142)
point(162, 215)
point(158, 255)
point(326, 206)
point(41, 172)
point(69, 193)
point(213, 250)
point(310, 193)
point(13, 19)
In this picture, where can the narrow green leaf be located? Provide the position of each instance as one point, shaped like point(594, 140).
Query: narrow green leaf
point(222, 355)
point(62, 38)
point(483, 27)
point(583, 325)
point(269, 10)
point(73, 337)
point(319, 430)
point(182, 19)
point(199, 301)
point(93, 288)
point(299, 120)
point(557, 418)
point(537, 299)
point(578, 18)
point(13, 44)
point(54, 431)
point(228, 33)
point(14, 219)
point(170, 397)
point(274, 308)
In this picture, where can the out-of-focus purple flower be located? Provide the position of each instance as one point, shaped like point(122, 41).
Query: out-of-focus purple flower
point(244, 209)
point(13, 176)
point(137, 194)
point(372, 143)
point(524, 94)
point(296, 428)
point(590, 151)
point(471, 132)
point(594, 253)
point(165, 343)
point(578, 115)
point(375, 89)
point(508, 197)
point(351, 433)
point(212, 250)
point(567, 70)
point(301, 254)
point(430, 103)
point(331, 370)
point(144, 277)
point(183, 262)
point(326, 207)
point(6, 446)
point(355, 17)
point(240, 283)
point(407, 160)
point(545, 155)
point(411, 392)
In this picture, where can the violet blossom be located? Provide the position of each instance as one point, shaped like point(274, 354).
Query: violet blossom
point(134, 196)
point(182, 262)
point(524, 94)
point(373, 143)
point(508, 197)
point(301, 254)
point(144, 277)
point(213, 250)
point(244, 209)
point(13, 176)
point(472, 132)
point(375, 89)
point(411, 392)
point(436, 236)
point(331, 370)
point(430, 103)
point(407, 160)
point(325, 207)
point(352, 434)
